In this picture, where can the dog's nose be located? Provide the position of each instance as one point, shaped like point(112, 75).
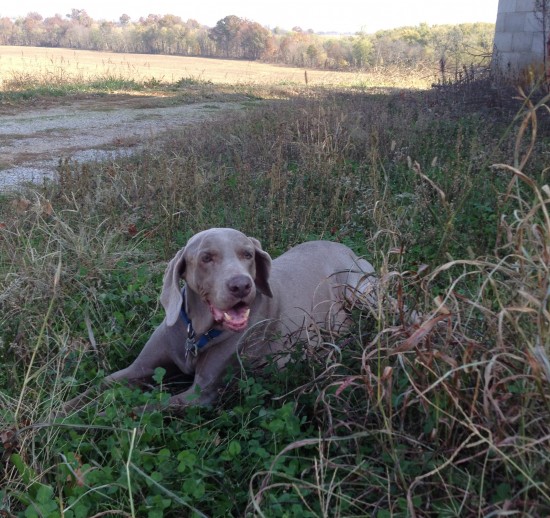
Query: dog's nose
point(239, 286)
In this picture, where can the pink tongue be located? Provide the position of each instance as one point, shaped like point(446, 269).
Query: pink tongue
point(238, 315)
point(234, 319)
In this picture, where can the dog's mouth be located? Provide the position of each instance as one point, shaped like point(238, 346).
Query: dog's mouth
point(233, 319)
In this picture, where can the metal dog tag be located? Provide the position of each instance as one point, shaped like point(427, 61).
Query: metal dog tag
point(190, 342)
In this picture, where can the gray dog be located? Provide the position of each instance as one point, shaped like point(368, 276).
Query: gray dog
point(237, 301)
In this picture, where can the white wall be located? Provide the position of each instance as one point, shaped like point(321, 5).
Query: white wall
point(519, 36)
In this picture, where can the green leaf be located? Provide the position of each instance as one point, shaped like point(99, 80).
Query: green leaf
point(159, 375)
point(234, 448)
point(44, 494)
point(187, 460)
point(26, 473)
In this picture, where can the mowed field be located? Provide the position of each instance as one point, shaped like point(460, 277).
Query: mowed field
point(67, 65)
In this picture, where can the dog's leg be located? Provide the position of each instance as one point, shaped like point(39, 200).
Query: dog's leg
point(135, 374)
point(211, 368)
point(154, 354)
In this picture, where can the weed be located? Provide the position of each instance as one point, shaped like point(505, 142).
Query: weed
point(444, 414)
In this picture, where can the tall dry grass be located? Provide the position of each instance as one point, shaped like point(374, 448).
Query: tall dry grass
point(445, 415)
point(450, 415)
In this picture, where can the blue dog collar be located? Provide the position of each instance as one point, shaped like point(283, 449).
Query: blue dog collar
point(192, 343)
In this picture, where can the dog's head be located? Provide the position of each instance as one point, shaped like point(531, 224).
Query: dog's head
point(223, 270)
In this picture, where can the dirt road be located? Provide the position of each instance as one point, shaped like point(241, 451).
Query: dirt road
point(32, 141)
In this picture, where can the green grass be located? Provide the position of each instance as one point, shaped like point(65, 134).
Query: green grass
point(449, 416)
point(22, 88)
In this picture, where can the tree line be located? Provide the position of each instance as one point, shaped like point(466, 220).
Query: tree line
point(238, 38)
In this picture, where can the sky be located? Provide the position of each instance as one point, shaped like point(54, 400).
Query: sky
point(344, 16)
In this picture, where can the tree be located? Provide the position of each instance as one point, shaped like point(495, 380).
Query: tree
point(55, 29)
point(32, 29)
point(124, 20)
point(226, 33)
point(361, 50)
point(81, 17)
point(7, 31)
point(169, 20)
point(253, 39)
point(337, 50)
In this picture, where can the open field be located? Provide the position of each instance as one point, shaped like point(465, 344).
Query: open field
point(66, 84)
point(64, 65)
point(448, 414)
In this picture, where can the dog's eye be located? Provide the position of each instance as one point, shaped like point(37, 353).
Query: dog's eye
point(247, 254)
point(206, 258)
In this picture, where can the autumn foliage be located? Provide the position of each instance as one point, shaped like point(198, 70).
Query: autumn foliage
point(238, 38)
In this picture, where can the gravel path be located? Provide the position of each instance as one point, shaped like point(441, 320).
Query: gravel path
point(33, 141)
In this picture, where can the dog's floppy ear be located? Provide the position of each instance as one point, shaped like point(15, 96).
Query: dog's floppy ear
point(263, 268)
point(170, 296)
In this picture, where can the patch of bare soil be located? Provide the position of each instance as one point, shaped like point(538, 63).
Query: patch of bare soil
point(34, 140)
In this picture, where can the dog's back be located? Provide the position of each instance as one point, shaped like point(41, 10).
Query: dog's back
point(312, 284)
